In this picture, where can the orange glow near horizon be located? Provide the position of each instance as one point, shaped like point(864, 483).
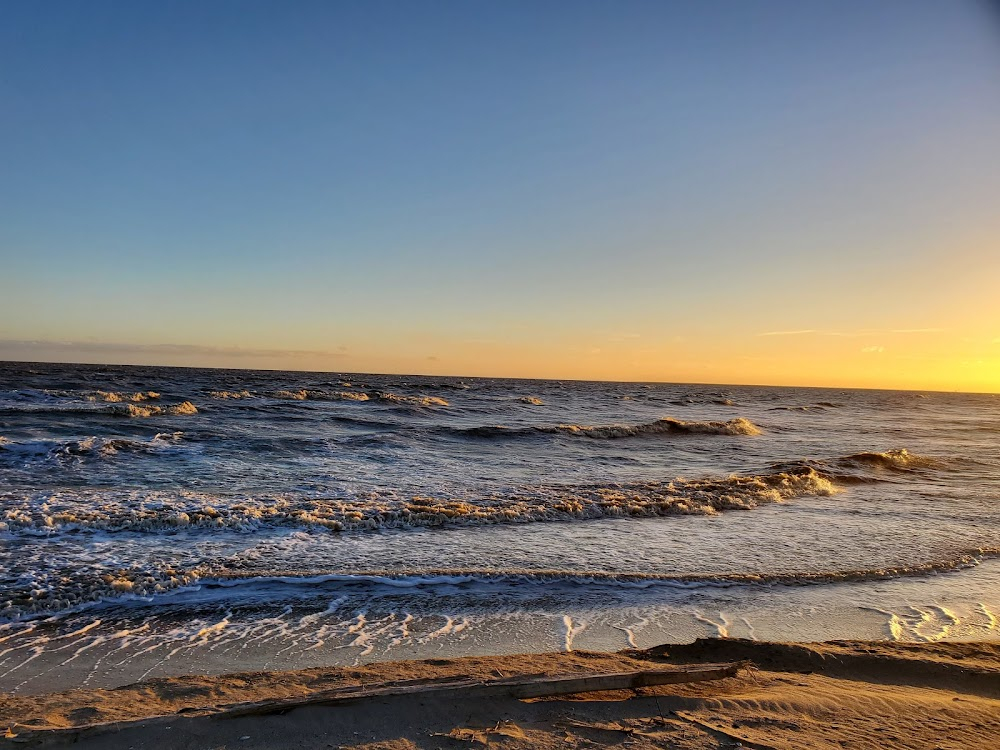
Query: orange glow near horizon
point(914, 359)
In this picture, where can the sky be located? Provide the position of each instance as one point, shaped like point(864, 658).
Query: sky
point(729, 191)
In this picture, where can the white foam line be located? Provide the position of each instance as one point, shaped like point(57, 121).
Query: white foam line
point(571, 631)
point(404, 631)
point(991, 619)
point(750, 629)
point(15, 634)
point(895, 624)
point(36, 652)
point(332, 607)
point(126, 637)
point(445, 629)
point(629, 635)
point(721, 627)
point(93, 644)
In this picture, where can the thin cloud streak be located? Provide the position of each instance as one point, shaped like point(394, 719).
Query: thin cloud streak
point(853, 334)
point(790, 333)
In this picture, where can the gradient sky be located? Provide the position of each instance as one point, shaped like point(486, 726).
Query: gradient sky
point(723, 191)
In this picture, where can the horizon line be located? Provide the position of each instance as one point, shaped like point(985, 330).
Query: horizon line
point(494, 377)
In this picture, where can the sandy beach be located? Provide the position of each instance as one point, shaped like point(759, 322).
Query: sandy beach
point(829, 695)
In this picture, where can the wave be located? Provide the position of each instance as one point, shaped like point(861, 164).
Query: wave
point(51, 592)
point(125, 409)
point(531, 400)
point(316, 395)
point(818, 406)
point(459, 576)
point(92, 446)
point(59, 593)
point(225, 395)
point(45, 514)
point(898, 459)
point(411, 400)
point(667, 425)
point(866, 466)
point(111, 446)
point(185, 408)
point(319, 395)
point(115, 397)
point(698, 401)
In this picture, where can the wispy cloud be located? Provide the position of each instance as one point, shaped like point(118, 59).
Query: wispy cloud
point(790, 333)
point(624, 337)
point(853, 334)
point(873, 349)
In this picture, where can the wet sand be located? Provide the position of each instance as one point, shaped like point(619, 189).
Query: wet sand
point(831, 695)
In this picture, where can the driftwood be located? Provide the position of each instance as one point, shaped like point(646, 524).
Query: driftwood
point(524, 686)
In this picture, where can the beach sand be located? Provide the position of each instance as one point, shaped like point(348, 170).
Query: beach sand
point(830, 695)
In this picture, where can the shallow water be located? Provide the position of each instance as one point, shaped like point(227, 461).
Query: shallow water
point(159, 520)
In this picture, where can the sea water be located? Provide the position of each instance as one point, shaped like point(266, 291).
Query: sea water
point(158, 521)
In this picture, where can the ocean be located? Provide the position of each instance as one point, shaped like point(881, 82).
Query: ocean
point(158, 521)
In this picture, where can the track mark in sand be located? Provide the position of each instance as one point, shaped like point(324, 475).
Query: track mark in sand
point(718, 733)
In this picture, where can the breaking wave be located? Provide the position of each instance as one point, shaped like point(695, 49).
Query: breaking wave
point(153, 512)
point(531, 400)
point(98, 446)
point(866, 466)
point(121, 409)
point(412, 400)
point(314, 395)
point(319, 395)
point(114, 397)
point(898, 459)
point(92, 446)
point(185, 408)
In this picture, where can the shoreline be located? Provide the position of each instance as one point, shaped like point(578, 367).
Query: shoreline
point(834, 694)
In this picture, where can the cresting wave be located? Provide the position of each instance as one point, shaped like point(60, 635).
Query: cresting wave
point(307, 395)
point(90, 446)
point(151, 512)
point(664, 426)
point(865, 466)
point(114, 397)
point(317, 395)
point(119, 409)
point(897, 459)
point(185, 408)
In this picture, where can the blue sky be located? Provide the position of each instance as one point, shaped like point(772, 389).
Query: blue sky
point(587, 189)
